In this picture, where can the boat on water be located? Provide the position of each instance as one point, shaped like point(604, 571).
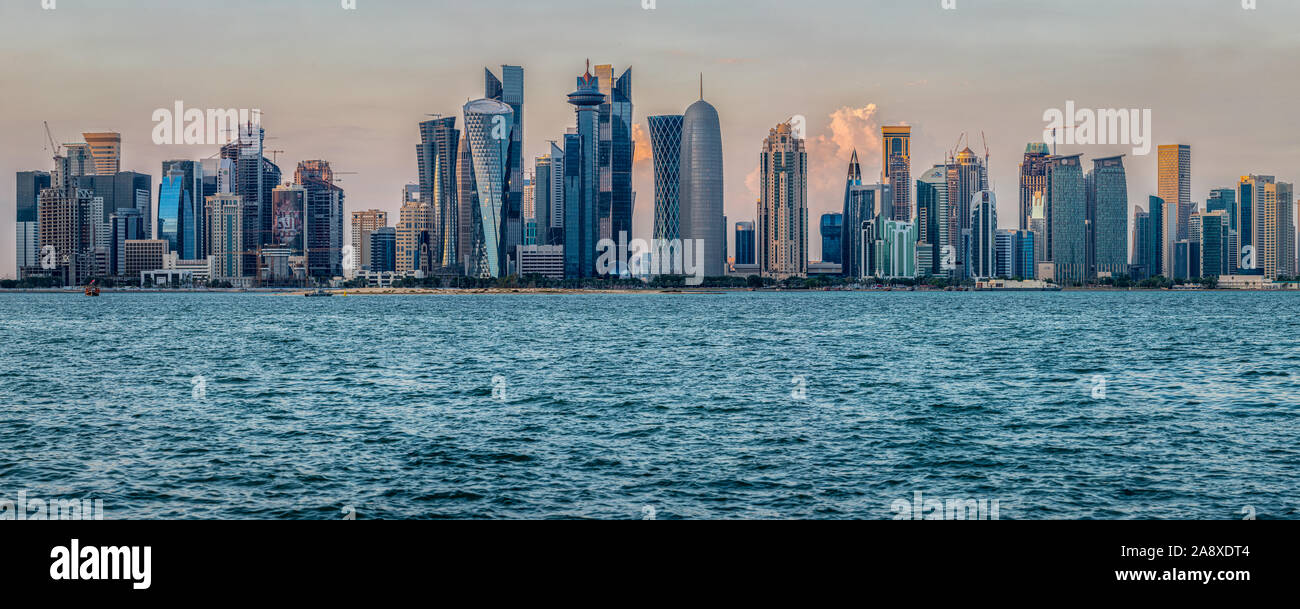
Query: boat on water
point(92, 289)
point(318, 293)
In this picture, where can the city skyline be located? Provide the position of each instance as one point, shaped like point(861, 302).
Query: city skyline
point(373, 134)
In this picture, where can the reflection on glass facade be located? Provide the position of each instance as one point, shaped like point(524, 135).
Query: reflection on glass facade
point(615, 152)
point(1067, 205)
point(581, 187)
point(1110, 218)
point(176, 213)
point(832, 229)
point(509, 89)
point(488, 125)
point(666, 148)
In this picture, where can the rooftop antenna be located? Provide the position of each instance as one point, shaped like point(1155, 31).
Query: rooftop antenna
point(701, 86)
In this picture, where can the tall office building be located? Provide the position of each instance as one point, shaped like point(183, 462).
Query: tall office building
point(363, 224)
point(225, 227)
point(615, 153)
point(467, 204)
point(509, 90)
point(1248, 193)
point(65, 224)
point(1284, 226)
point(1038, 226)
point(27, 246)
point(1225, 200)
point(414, 224)
point(893, 248)
point(436, 161)
point(105, 151)
point(700, 195)
point(666, 152)
point(289, 212)
point(1033, 178)
point(855, 212)
point(322, 218)
point(932, 216)
point(1175, 188)
point(832, 232)
point(381, 244)
point(488, 125)
point(967, 176)
point(1067, 220)
point(783, 209)
point(983, 232)
point(252, 177)
point(77, 161)
point(1139, 258)
point(1213, 232)
point(896, 158)
point(745, 239)
point(124, 225)
point(1109, 227)
point(1153, 258)
point(548, 194)
point(581, 188)
point(180, 208)
point(118, 191)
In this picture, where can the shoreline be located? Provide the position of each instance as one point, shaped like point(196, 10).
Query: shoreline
point(580, 291)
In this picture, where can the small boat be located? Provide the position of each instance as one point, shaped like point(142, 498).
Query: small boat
point(92, 289)
point(318, 293)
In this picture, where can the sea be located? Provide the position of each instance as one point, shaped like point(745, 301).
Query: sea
point(734, 405)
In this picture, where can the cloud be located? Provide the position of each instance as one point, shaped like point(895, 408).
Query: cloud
point(640, 144)
point(829, 154)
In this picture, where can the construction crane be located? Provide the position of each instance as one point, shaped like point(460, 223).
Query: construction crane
point(275, 156)
point(986, 148)
point(56, 150)
point(341, 173)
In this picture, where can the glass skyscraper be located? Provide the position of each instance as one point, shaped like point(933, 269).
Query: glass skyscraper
point(666, 150)
point(615, 152)
point(1110, 218)
point(436, 160)
point(745, 243)
point(509, 89)
point(488, 125)
point(1067, 224)
point(832, 233)
point(701, 184)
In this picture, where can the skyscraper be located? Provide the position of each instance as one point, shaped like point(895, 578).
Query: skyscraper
point(414, 223)
point(581, 190)
point(1175, 187)
point(967, 176)
point(509, 89)
point(225, 235)
point(1214, 242)
point(932, 215)
point(745, 236)
point(289, 209)
point(322, 219)
point(364, 223)
point(983, 230)
point(548, 192)
point(832, 232)
point(700, 195)
point(1110, 218)
point(1033, 178)
point(382, 247)
point(1141, 249)
point(666, 151)
point(1153, 258)
point(1067, 228)
point(29, 187)
point(783, 209)
point(896, 153)
point(615, 152)
point(488, 125)
point(436, 160)
point(105, 151)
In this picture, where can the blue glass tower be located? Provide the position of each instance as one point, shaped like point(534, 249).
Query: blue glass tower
point(581, 192)
point(509, 89)
point(832, 230)
point(488, 125)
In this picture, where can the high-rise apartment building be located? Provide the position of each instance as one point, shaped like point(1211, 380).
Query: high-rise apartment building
point(225, 227)
point(322, 218)
point(783, 209)
point(1175, 188)
point(896, 158)
point(1033, 178)
point(983, 232)
point(363, 224)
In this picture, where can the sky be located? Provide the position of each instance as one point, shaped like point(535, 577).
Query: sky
point(350, 86)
